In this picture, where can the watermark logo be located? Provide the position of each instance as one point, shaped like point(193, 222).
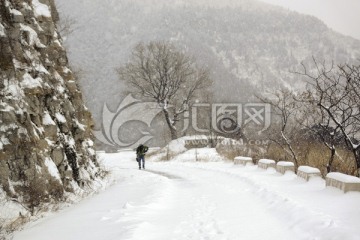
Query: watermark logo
point(203, 142)
point(226, 118)
point(258, 114)
point(223, 119)
point(130, 109)
point(231, 117)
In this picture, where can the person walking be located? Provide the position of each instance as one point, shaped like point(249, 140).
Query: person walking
point(140, 155)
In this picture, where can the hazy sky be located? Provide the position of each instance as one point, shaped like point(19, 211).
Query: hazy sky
point(341, 15)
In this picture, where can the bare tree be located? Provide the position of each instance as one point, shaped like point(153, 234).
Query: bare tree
point(66, 26)
point(158, 71)
point(336, 91)
point(287, 109)
point(318, 127)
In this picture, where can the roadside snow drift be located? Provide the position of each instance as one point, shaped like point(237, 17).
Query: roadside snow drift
point(185, 199)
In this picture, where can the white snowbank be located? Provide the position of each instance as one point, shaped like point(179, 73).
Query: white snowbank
point(343, 177)
point(9, 209)
point(41, 9)
point(308, 169)
point(285, 164)
point(177, 146)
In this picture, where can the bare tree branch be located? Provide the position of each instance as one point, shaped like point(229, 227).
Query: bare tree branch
point(172, 79)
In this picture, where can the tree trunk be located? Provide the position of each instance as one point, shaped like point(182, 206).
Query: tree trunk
point(173, 131)
point(288, 144)
point(357, 159)
point(331, 160)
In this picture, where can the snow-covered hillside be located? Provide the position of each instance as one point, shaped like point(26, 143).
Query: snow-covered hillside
point(248, 45)
point(196, 200)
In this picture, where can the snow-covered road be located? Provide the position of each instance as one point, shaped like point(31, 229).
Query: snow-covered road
point(189, 200)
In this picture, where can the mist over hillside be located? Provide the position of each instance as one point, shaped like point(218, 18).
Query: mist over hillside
point(248, 45)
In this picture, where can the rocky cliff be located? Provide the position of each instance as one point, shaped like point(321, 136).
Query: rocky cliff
point(46, 146)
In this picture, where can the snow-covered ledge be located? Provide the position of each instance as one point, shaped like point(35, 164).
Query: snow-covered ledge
point(243, 160)
point(283, 166)
point(342, 181)
point(307, 172)
point(266, 163)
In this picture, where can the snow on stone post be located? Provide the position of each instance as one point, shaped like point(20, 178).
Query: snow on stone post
point(243, 161)
point(284, 166)
point(344, 182)
point(266, 163)
point(307, 172)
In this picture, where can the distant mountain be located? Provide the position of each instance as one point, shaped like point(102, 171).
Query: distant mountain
point(248, 45)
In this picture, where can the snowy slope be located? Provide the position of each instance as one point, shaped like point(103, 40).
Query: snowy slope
point(247, 45)
point(188, 200)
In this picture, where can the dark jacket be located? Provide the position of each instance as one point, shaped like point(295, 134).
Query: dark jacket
point(141, 150)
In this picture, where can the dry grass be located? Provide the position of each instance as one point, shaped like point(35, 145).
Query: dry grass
point(229, 152)
point(310, 154)
point(152, 153)
point(316, 155)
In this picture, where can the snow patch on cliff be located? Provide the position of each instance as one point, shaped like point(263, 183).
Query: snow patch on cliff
point(2, 31)
point(41, 9)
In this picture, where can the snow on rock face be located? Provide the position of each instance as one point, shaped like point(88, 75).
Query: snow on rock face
point(40, 116)
point(29, 82)
point(32, 37)
point(2, 31)
point(53, 171)
point(15, 12)
point(47, 120)
point(60, 117)
point(41, 9)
